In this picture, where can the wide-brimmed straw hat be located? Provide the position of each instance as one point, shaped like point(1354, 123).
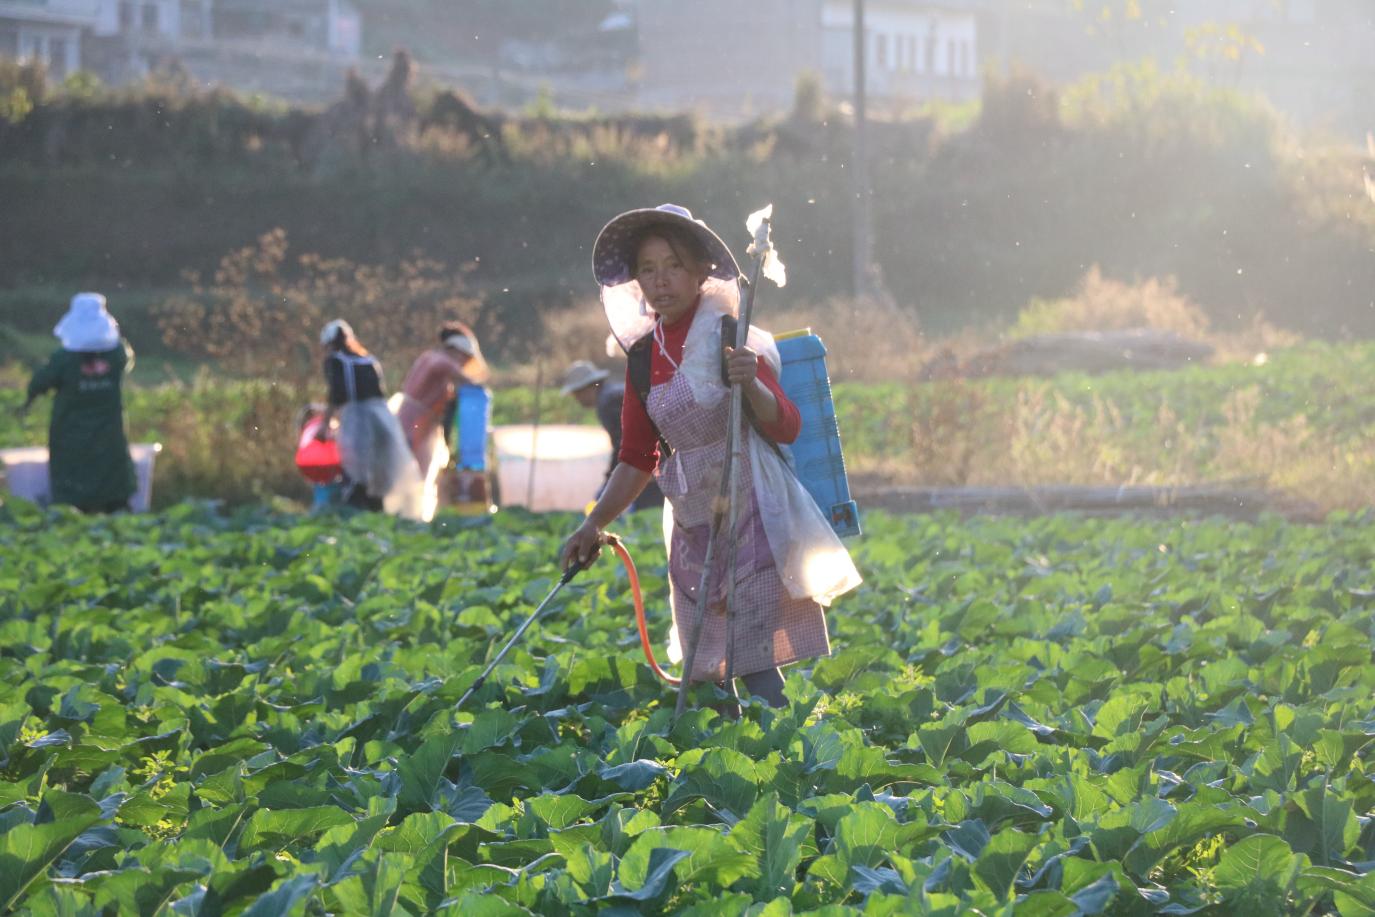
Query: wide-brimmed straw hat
point(87, 327)
point(582, 374)
point(614, 254)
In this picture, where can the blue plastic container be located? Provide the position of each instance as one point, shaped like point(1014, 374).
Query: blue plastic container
point(817, 455)
point(326, 495)
point(471, 423)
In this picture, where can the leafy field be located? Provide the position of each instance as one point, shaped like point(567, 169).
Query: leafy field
point(254, 713)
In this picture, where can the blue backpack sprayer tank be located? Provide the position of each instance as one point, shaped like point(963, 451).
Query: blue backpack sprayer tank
point(467, 484)
point(817, 456)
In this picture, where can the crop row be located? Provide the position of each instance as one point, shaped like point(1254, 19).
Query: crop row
point(255, 713)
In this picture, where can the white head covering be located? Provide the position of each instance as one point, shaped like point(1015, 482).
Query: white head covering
point(613, 257)
point(476, 369)
point(87, 327)
point(332, 329)
point(462, 343)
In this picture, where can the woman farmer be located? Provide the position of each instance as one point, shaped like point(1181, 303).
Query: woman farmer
point(88, 454)
point(429, 395)
point(667, 282)
point(380, 473)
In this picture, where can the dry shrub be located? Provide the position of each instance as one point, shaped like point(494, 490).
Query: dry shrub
point(1292, 456)
point(234, 441)
point(1103, 304)
point(865, 341)
point(565, 335)
point(1252, 343)
point(1047, 439)
point(261, 312)
point(946, 432)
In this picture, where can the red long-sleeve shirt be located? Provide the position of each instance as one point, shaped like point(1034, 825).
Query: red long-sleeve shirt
point(640, 442)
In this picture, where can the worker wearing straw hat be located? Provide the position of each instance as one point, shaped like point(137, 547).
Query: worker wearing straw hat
point(591, 386)
point(88, 453)
point(667, 282)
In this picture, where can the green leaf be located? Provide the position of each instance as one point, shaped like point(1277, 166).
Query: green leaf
point(139, 889)
point(940, 742)
point(1002, 860)
point(1328, 829)
point(711, 858)
point(1256, 875)
point(26, 851)
point(1357, 890)
point(774, 836)
point(278, 828)
point(488, 729)
point(289, 895)
point(1192, 823)
point(422, 771)
point(633, 776)
point(340, 847)
point(662, 861)
point(725, 778)
point(1121, 714)
point(1046, 903)
point(561, 811)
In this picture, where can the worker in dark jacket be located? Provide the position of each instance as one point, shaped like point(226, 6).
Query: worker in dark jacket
point(88, 452)
point(591, 387)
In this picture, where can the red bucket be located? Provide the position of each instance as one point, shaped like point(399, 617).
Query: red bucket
point(316, 459)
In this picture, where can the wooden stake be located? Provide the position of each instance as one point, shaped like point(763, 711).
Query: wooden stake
point(726, 495)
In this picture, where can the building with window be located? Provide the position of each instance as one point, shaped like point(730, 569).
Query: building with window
point(915, 51)
point(217, 40)
point(742, 59)
point(327, 26)
point(50, 31)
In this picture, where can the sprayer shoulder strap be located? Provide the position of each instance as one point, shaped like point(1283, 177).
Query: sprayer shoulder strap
point(638, 371)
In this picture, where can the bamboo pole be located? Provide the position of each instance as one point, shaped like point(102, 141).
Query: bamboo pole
point(742, 333)
point(534, 438)
point(719, 513)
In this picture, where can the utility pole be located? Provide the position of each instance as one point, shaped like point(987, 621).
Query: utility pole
point(859, 166)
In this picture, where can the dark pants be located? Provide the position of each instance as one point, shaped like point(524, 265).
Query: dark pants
point(357, 496)
point(105, 509)
point(767, 685)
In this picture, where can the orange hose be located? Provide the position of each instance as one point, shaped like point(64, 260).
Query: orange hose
point(624, 555)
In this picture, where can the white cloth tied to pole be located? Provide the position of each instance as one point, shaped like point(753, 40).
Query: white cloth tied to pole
point(773, 267)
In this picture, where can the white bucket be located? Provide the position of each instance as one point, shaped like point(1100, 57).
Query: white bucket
point(569, 465)
point(26, 473)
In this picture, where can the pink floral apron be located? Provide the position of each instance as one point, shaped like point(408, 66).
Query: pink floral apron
point(771, 627)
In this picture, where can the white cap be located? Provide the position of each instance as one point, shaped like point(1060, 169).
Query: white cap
point(461, 342)
point(331, 331)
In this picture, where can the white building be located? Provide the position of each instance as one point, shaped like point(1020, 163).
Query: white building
point(121, 39)
point(913, 51)
point(742, 59)
point(47, 30)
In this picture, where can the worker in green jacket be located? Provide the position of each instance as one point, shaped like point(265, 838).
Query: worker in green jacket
point(88, 453)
